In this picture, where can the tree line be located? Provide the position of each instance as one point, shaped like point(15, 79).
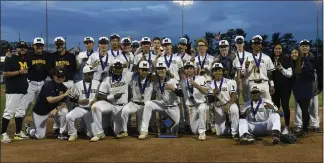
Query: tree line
point(286, 39)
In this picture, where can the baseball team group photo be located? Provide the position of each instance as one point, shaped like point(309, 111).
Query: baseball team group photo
point(84, 92)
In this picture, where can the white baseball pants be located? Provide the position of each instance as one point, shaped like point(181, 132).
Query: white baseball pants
point(313, 113)
point(15, 106)
point(40, 121)
point(100, 107)
point(220, 119)
point(172, 111)
point(129, 109)
point(264, 86)
point(260, 128)
point(77, 113)
point(33, 91)
point(197, 117)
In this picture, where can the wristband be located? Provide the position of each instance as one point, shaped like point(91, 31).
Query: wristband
point(271, 83)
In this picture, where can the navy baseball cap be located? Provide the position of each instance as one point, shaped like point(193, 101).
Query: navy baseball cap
point(59, 72)
point(22, 44)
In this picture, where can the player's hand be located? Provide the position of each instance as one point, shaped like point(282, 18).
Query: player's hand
point(247, 63)
point(53, 113)
point(158, 53)
point(268, 106)
point(226, 108)
point(67, 92)
point(169, 87)
point(8, 54)
point(23, 71)
point(84, 101)
point(170, 74)
point(118, 95)
point(192, 82)
point(272, 90)
point(192, 59)
point(279, 67)
point(92, 102)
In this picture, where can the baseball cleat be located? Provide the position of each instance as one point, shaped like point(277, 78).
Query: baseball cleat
point(236, 137)
point(202, 136)
point(316, 130)
point(213, 130)
point(247, 138)
point(97, 137)
point(62, 137)
point(142, 136)
point(73, 137)
point(21, 136)
point(275, 140)
point(285, 131)
point(5, 138)
point(27, 128)
point(122, 134)
point(56, 132)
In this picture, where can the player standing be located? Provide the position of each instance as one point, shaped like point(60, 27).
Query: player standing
point(126, 56)
point(83, 57)
point(145, 54)
point(115, 46)
point(168, 93)
point(258, 69)
point(14, 70)
point(182, 47)
point(226, 59)
point(222, 95)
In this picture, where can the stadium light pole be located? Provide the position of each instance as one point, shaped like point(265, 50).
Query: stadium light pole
point(183, 3)
point(46, 28)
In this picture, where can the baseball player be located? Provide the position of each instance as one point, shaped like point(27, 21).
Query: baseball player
point(258, 69)
point(241, 55)
point(156, 45)
point(168, 93)
point(203, 61)
point(259, 117)
point(14, 70)
point(114, 89)
point(194, 90)
point(115, 46)
point(50, 104)
point(222, 95)
point(101, 61)
point(39, 64)
point(182, 46)
point(226, 59)
point(83, 93)
point(174, 63)
point(126, 56)
point(135, 45)
point(83, 57)
point(141, 87)
point(145, 54)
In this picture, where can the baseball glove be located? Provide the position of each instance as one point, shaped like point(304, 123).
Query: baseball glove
point(288, 138)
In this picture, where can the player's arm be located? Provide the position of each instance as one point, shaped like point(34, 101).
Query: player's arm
point(233, 92)
point(175, 88)
point(55, 99)
point(202, 86)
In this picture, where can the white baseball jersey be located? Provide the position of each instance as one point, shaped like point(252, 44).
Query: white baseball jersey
point(110, 87)
point(228, 87)
point(261, 114)
point(137, 94)
point(99, 64)
point(184, 57)
point(198, 96)
point(149, 57)
point(238, 62)
point(209, 59)
point(83, 55)
point(265, 66)
point(81, 90)
point(167, 96)
point(175, 64)
point(114, 54)
point(127, 58)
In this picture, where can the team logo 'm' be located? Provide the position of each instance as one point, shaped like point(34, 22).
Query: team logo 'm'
point(88, 38)
point(39, 40)
point(145, 64)
point(223, 42)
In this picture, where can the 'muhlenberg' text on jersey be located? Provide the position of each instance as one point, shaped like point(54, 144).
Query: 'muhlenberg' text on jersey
point(198, 96)
point(94, 61)
point(109, 87)
point(265, 66)
point(262, 114)
point(228, 87)
point(137, 94)
point(168, 97)
point(78, 90)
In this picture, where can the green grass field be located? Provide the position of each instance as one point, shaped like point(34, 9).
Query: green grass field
point(3, 101)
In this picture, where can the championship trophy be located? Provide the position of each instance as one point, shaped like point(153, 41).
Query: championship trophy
point(167, 128)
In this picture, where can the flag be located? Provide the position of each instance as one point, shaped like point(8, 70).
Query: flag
point(217, 36)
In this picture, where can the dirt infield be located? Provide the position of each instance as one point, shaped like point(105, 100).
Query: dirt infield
point(184, 149)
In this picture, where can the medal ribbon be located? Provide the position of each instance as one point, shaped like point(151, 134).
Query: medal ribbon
point(112, 53)
point(168, 63)
point(89, 53)
point(220, 85)
point(87, 92)
point(142, 88)
point(254, 111)
point(226, 60)
point(114, 78)
point(257, 63)
point(203, 63)
point(241, 60)
point(103, 65)
point(162, 85)
point(190, 88)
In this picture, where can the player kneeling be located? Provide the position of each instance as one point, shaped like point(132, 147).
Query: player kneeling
point(168, 93)
point(222, 95)
point(260, 117)
point(142, 87)
point(50, 104)
point(112, 97)
point(194, 95)
point(83, 93)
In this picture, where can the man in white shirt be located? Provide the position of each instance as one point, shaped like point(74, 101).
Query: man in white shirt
point(241, 56)
point(222, 95)
point(182, 47)
point(259, 117)
point(82, 57)
point(115, 45)
point(203, 61)
point(126, 56)
point(168, 93)
point(135, 45)
point(145, 54)
point(226, 59)
point(194, 90)
point(258, 69)
point(101, 61)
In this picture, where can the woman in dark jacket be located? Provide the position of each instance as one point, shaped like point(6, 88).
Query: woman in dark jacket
point(303, 87)
point(282, 82)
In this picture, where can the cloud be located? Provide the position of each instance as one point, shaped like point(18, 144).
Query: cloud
point(123, 9)
point(157, 8)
